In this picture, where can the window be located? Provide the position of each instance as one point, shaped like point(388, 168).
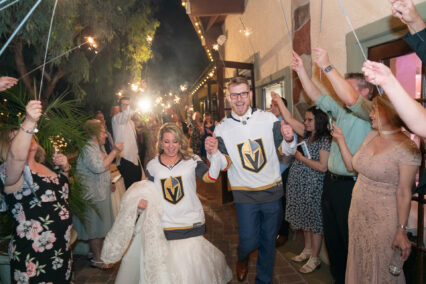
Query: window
point(275, 87)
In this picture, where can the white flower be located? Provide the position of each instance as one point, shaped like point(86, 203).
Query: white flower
point(44, 241)
point(57, 263)
point(20, 277)
point(48, 196)
point(18, 212)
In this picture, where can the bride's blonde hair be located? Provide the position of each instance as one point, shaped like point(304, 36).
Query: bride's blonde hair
point(173, 129)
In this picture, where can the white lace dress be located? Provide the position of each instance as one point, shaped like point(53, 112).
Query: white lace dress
point(151, 259)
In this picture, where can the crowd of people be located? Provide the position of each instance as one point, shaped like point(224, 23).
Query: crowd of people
point(344, 175)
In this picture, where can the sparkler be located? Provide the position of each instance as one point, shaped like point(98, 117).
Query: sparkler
point(53, 59)
point(19, 27)
point(379, 90)
point(286, 24)
point(58, 143)
point(8, 5)
point(47, 48)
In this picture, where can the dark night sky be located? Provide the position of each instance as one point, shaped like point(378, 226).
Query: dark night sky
point(178, 56)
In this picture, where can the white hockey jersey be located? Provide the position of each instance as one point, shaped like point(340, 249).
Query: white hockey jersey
point(250, 147)
point(183, 214)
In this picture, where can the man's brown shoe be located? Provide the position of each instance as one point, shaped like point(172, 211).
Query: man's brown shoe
point(242, 269)
point(280, 241)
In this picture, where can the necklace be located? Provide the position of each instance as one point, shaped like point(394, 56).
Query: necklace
point(170, 163)
point(387, 132)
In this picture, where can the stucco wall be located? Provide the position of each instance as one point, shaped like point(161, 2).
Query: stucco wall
point(335, 27)
point(270, 39)
point(269, 36)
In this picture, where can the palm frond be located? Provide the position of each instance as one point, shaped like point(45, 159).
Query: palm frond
point(61, 117)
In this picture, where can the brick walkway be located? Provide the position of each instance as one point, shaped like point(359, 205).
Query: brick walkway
point(222, 231)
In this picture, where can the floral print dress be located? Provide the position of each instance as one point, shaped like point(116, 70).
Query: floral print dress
point(39, 250)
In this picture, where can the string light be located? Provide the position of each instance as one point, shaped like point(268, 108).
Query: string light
point(149, 39)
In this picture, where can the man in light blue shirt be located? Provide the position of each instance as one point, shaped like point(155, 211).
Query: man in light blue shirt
point(339, 182)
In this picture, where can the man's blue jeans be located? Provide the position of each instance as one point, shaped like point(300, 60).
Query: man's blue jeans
point(258, 226)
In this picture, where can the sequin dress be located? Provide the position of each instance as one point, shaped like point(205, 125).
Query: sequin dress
point(373, 213)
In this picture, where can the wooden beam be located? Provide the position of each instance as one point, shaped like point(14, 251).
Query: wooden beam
point(238, 65)
point(211, 22)
point(217, 7)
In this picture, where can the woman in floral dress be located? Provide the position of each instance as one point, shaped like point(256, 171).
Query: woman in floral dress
point(39, 250)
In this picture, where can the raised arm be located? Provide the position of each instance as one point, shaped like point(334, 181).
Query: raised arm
point(410, 111)
point(17, 155)
point(344, 150)
point(405, 10)
point(297, 126)
point(343, 89)
point(310, 88)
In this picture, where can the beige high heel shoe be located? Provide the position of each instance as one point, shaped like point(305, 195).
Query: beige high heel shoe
point(312, 264)
point(304, 255)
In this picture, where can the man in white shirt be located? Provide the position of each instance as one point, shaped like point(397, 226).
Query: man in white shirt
point(247, 141)
point(123, 129)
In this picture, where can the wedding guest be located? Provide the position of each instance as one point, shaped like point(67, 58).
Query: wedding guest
point(410, 111)
point(306, 180)
point(39, 249)
point(386, 162)
point(124, 131)
point(208, 124)
point(285, 163)
point(93, 168)
point(109, 142)
point(197, 132)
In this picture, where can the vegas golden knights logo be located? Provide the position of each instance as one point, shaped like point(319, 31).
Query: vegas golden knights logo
point(252, 154)
point(172, 189)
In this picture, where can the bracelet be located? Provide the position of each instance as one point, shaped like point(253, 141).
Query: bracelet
point(399, 226)
point(34, 131)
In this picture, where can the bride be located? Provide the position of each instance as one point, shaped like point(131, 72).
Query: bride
point(168, 244)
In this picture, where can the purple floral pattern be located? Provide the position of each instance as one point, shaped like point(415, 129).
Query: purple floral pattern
point(39, 250)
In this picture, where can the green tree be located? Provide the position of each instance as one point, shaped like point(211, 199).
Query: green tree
point(120, 29)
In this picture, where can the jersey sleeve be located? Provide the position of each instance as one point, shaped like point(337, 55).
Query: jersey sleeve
point(222, 158)
point(206, 174)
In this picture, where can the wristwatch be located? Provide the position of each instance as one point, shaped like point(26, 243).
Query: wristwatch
point(399, 226)
point(328, 68)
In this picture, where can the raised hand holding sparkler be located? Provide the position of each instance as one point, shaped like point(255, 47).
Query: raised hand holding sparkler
point(7, 82)
point(407, 13)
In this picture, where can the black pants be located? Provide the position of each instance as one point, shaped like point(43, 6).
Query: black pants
point(283, 231)
point(336, 200)
point(130, 172)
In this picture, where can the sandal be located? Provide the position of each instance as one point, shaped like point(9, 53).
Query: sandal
point(312, 264)
point(304, 255)
point(99, 265)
